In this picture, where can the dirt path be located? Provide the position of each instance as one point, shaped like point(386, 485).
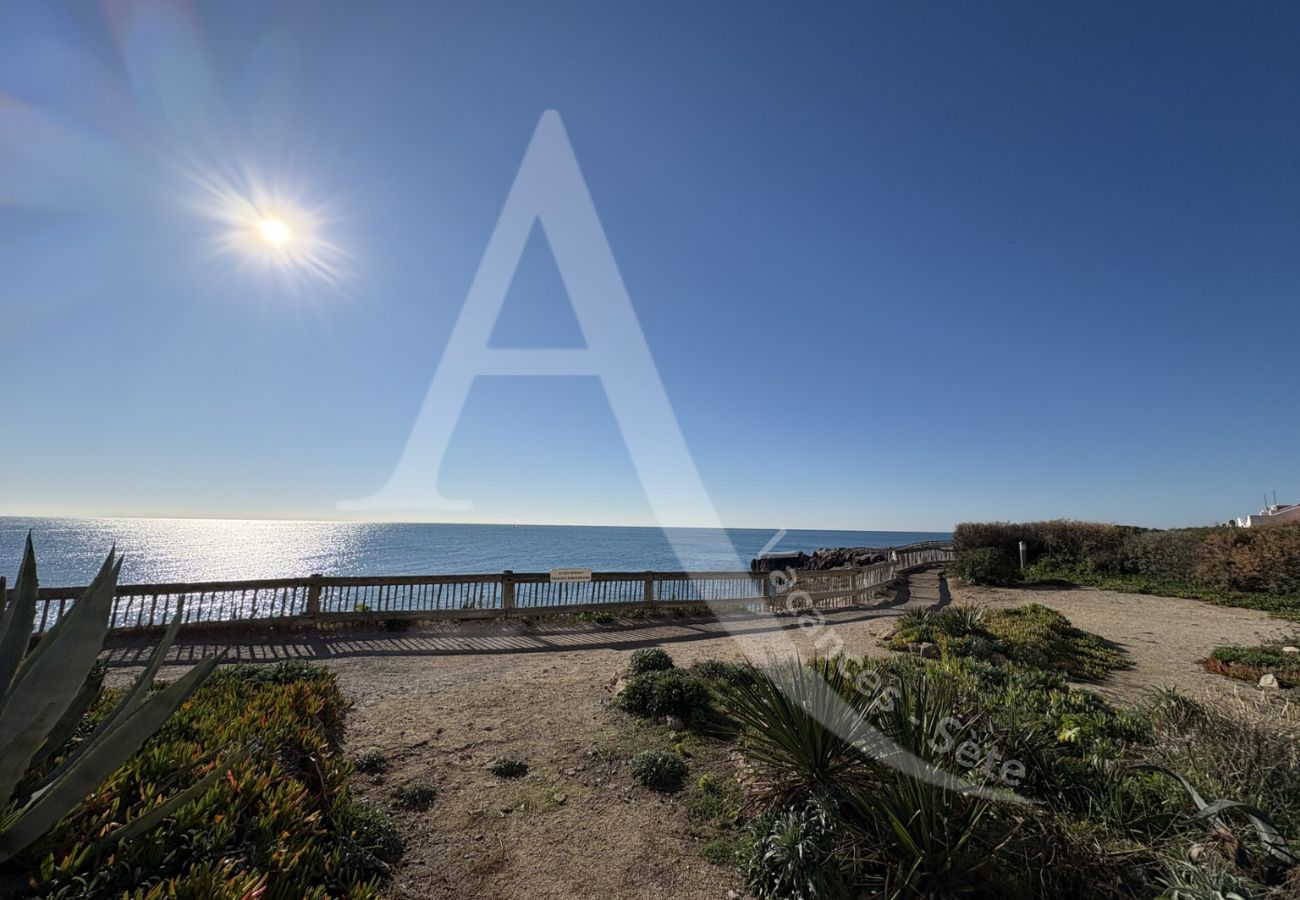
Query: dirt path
point(442, 702)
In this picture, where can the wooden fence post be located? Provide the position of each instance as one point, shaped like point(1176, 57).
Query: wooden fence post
point(508, 590)
point(313, 595)
point(649, 595)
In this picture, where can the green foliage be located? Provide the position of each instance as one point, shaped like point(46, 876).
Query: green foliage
point(1063, 539)
point(49, 763)
point(371, 762)
point(799, 733)
point(1031, 635)
point(1247, 752)
point(1036, 636)
point(279, 814)
point(723, 673)
point(985, 565)
point(1250, 663)
point(791, 855)
point(417, 795)
point(658, 770)
point(1187, 881)
point(714, 800)
point(1253, 568)
point(509, 767)
point(920, 624)
point(666, 692)
point(649, 659)
point(1048, 570)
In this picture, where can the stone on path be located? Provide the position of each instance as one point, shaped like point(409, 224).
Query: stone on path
point(1269, 681)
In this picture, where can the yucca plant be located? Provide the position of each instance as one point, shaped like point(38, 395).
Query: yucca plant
point(935, 835)
point(801, 734)
point(45, 692)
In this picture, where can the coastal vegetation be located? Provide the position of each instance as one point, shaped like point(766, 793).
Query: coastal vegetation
point(1030, 635)
point(1252, 568)
point(1172, 797)
point(61, 734)
point(279, 820)
point(1253, 663)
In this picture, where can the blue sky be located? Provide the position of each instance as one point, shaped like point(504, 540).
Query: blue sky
point(899, 265)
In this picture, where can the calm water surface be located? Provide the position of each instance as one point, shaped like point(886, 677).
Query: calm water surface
point(70, 550)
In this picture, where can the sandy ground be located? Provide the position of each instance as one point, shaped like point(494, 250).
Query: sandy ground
point(443, 702)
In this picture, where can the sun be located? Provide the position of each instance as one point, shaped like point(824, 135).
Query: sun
point(274, 232)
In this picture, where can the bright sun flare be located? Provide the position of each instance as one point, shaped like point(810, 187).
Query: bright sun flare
point(273, 231)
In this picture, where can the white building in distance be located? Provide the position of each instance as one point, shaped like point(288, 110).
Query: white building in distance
point(1277, 514)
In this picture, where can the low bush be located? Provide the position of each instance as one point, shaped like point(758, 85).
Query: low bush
point(723, 673)
point(665, 692)
point(791, 854)
point(1036, 636)
point(985, 565)
point(282, 818)
point(1251, 663)
point(371, 762)
point(658, 770)
point(1251, 560)
point(509, 767)
point(649, 659)
point(417, 795)
point(1063, 539)
point(1031, 635)
point(1285, 606)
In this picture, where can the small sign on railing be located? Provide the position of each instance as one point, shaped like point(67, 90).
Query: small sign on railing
point(570, 575)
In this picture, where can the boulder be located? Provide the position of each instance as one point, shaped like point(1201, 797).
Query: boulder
point(1269, 681)
point(1291, 649)
point(929, 650)
point(674, 723)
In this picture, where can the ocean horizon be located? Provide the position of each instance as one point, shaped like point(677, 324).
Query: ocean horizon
point(69, 550)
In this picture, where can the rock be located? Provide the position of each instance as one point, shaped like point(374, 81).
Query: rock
point(913, 647)
point(674, 723)
point(560, 797)
point(998, 659)
point(1269, 681)
point(1291, 649)
point(928, 651)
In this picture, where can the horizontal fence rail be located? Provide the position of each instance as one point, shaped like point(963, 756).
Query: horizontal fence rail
point(319, 598)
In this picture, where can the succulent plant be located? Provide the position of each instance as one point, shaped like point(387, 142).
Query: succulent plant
point(45, 692)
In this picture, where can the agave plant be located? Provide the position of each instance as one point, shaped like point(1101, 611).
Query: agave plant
point(45, 692)
point(1213, 811)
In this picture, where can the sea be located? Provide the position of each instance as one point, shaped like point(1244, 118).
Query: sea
point(70, 550)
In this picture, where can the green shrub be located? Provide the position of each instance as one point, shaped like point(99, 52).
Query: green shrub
point(791, 855)
point(658, 770)
point(371, 762)
point(1036, 636)
point(1169, 555)
point(509, 767)
point(666, 692)
point(1250, 663)
point(649, 659)
point(723, 673)
point(282, 812)
point(416, 795)
point(1061, 538)
point(714, 799)
point(985, 565)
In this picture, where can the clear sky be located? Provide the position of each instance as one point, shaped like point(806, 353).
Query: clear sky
point(900, 265)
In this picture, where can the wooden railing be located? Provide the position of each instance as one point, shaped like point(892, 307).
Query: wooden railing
point(319, 598)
